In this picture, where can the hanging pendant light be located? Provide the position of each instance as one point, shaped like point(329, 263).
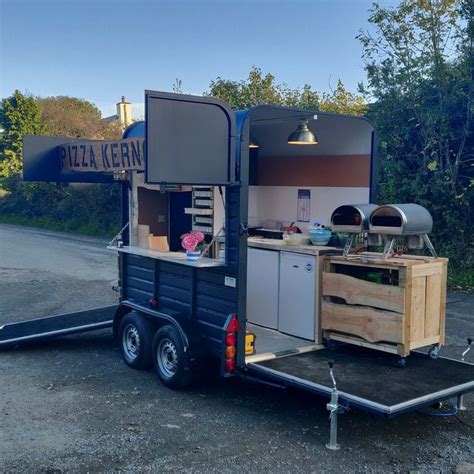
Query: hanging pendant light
point(253, 143)
point(302, 135)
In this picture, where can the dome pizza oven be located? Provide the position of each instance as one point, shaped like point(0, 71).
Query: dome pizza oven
point(401, 219)
point(408, 223)
point(353, 218)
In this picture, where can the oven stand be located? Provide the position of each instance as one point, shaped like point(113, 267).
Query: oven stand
point(429, 245)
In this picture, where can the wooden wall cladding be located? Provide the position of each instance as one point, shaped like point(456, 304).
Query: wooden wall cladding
point(331, 171)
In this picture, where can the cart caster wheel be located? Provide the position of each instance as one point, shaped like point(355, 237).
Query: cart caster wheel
point(434, 352)
point(332, 345)
point(402, 362)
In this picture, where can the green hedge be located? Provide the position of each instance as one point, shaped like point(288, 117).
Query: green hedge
point(87, 209)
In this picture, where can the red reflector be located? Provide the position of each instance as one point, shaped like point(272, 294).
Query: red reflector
point(231, 339)
point(230, 365)
point(233, 324)
point(153, 302)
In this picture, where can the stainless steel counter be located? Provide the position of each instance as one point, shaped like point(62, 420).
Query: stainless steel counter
point(277, 244)
point(175, 257)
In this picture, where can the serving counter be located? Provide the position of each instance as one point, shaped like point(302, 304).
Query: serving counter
point(280, 245)
point(175, 257)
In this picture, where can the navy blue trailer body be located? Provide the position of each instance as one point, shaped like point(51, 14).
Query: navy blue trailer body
point(180, 310)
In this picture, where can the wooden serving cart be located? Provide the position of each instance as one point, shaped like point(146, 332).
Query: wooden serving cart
point(393, 305)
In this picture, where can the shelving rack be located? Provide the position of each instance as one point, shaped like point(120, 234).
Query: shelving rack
point(203, 209)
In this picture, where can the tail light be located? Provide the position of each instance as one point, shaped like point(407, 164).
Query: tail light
point(230, 365)
point(231, 329)
point(230, 352)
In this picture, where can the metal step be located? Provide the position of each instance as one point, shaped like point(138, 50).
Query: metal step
point(13, 334)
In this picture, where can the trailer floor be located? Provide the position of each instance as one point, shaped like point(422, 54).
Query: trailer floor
point(270, 340)
point(372, 375)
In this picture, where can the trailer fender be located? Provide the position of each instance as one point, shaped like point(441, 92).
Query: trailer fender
point(187, 329)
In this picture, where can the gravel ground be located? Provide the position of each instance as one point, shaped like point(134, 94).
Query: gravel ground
point(72, 405)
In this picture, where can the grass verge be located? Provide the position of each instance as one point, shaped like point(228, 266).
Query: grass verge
point(50, 224)
point(461, 279)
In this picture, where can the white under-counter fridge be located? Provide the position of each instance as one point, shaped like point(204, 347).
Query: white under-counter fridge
point(282, 291)
point(297, 295)
point(263, 270)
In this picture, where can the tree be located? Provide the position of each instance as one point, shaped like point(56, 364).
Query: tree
point(262, 88)
point(75, 118)
point(19, 116)
point(58, 206)
point(341, 101)
point(419, 67)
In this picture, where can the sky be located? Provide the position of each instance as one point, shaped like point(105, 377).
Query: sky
point(100, 50)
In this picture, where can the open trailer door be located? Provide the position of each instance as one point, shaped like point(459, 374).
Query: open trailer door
point(66, 160)
point(189, 140)
point(368, 379)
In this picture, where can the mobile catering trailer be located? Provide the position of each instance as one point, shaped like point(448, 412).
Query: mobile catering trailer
point(250, 301)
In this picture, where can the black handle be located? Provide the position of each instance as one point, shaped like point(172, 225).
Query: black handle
point(469, 340)
point(331, 364)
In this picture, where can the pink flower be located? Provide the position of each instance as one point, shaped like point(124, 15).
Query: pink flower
point(191, 240)
point(199, 236)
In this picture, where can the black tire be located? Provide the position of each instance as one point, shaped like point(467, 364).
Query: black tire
point(170, 359)
point(135, 339)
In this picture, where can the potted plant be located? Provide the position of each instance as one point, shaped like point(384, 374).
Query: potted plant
point(193, 242)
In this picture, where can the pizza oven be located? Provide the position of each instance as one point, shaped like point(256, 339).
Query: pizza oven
point(353, 218)
point(400, 219)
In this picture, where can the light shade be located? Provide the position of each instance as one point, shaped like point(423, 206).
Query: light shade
point(302, 135)
point(253, 143)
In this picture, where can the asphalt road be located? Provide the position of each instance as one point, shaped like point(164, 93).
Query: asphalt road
point(73, 405)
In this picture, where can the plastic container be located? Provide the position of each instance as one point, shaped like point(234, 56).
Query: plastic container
point(319, 236)
point(291, 238)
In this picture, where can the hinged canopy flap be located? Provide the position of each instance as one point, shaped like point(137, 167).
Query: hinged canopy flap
point(189, 140)
point(42, 161)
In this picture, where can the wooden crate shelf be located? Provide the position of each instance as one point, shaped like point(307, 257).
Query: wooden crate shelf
point(404, 310)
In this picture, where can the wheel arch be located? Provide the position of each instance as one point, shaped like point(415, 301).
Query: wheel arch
point(120, 312)
point(186, 329)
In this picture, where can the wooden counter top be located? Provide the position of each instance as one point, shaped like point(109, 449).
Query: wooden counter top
point(279, 245)
point(175, 257)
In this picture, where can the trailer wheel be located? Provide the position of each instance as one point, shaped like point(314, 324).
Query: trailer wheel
point(170, 358)
point(136, 340)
